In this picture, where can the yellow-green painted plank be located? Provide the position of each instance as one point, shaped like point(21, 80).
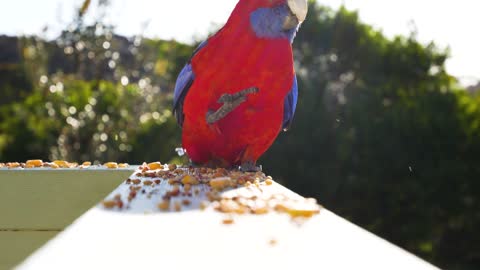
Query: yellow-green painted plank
point(48, 199)
point(16, 246)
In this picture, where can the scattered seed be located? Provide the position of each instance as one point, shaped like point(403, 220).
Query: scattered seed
point(12, 165)
point(164, 205)
point(177, 206)
point(155, 166)
point(220, 183)
point(62, 163)
point(111, 165)
point(203, 205)
point(147, 183)
point(34, 163)
point(272, 242)
point(228, 221)
point(136, 181)
point(189, 179)
point(109, 204)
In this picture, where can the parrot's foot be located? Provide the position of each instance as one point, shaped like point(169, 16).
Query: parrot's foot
point(230, 102)
point(249, 166)
point(193, 164)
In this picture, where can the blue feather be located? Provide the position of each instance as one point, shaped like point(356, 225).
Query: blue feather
point(268, 23)
point(184, 82)
point(290, 105)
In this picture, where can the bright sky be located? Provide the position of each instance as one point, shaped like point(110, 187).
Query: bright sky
point(451, 23)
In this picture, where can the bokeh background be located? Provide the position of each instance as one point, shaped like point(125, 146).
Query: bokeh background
point(384, 134)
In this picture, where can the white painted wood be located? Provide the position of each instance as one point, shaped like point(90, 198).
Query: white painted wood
point(142, 237)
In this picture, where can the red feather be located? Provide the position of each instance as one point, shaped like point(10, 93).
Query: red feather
point(235, 59)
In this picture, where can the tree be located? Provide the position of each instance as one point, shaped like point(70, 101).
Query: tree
point(381, 137)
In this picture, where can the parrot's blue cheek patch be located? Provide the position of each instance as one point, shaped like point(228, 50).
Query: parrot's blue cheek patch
point(268, 23)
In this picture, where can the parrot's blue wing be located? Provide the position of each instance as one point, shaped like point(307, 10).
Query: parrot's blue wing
point(290, 105)
point(184, 82)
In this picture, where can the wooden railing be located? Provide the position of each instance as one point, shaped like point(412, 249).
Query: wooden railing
point(167, 221)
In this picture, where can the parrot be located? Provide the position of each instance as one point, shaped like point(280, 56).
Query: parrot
point(239, 88)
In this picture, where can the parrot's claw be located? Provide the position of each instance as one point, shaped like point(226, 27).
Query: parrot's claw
point(249, 166)
point(193, 164)
point(230, 102)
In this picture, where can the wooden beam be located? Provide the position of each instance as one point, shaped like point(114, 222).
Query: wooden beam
point(36, 204)
point(51, 199)
point(141, 236)
point(15, 246)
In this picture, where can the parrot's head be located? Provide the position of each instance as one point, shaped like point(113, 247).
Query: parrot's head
point(272, 18)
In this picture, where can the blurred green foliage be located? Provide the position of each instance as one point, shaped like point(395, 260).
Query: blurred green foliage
point(382, 136)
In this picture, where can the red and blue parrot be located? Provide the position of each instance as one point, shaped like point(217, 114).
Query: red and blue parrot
point(239, 89)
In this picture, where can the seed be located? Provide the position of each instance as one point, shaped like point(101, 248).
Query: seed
point(87, 164)
point(174, 192)
point(123, 165)
point(34, 163)
point(61, 163)
point(51, 165)
point(177, 206)
point(111, 165)
point(109, 204)
point(136, 181)
point(12, 165)
point(203, 205)
point(260, 210)
point(187, 187)
point(132, 195)
point(220, 183)
point(227, 206)
point(164, 205)
point(151, 175)
point(228, 221)
point(186, 202)
point(268, 182)
point(135, 188)
point(272, 242)
point(157, 182)
point(147, 183)
point(295, 209)
point(213, 196)
point(189, 179)
point(119, 204)
point(155, 166)
point(172, 167)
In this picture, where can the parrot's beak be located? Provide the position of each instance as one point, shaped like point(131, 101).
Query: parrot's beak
point(298, 13)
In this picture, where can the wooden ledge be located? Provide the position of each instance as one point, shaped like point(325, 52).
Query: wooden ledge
point(141, 236)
